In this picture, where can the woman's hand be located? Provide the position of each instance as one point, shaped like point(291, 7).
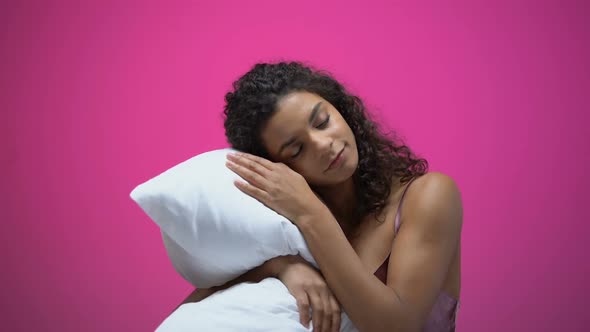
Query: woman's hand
point(309, 287)
point(275, 185)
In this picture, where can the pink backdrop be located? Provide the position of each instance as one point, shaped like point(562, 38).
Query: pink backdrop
point(98, 98)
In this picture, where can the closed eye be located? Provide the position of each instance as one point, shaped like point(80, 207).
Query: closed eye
point(324, 124)
point(298, 152)
point(320, 126)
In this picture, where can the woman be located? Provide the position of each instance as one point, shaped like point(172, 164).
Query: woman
point(312, 154)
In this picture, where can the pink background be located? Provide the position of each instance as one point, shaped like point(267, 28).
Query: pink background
point(97, 99)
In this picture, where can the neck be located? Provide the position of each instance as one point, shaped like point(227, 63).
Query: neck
point(341, 200)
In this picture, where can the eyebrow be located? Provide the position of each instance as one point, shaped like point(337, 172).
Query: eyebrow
point(314, 114)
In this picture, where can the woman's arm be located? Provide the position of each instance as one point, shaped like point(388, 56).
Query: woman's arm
point(270, 268)
point(420, 258)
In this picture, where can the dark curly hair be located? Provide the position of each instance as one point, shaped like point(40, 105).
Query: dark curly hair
point(254, 101)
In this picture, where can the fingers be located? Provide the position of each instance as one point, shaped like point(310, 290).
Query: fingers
point(256, 160)
point(261, 195)
point(328, 313)
point(332, 312)
point(303, 307)
point(317, 310)
point(246, 172)
point(313, 294)
point(336, 314)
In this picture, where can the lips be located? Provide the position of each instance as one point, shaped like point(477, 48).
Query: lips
point(336, 158)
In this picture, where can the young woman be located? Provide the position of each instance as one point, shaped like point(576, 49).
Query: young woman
point(312, 153)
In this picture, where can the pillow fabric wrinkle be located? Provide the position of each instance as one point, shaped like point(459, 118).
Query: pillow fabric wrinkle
point(213, 233)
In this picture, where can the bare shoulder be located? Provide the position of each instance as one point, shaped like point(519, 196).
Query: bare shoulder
point(423, 252)
point(434, 198)
point(433, 182)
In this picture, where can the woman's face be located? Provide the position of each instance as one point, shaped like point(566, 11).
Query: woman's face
point(307, 133)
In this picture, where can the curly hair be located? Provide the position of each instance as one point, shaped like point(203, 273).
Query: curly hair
point(254, 101)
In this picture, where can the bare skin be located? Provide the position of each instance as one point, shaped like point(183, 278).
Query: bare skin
point(314, 145)
point(373, 240)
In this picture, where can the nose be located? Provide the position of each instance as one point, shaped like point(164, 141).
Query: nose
point(323, 146)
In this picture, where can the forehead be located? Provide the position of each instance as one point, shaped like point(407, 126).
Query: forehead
point(297, 102)
point(292, 115)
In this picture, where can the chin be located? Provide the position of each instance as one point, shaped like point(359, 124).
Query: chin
point(344, 174)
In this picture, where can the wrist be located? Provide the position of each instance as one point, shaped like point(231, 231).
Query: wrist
point(304, 221)
point(276, 265)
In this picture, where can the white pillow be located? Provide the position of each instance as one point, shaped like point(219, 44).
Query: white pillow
point(212, 231)
point(253, 307)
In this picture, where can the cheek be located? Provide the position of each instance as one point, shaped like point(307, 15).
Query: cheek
point(302, 167)
point(293, 166)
